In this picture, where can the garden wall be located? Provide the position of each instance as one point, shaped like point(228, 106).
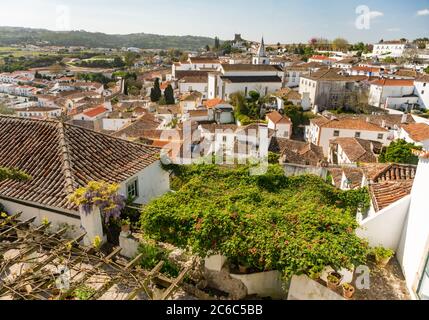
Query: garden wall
point(296, 170)
point(385, 227)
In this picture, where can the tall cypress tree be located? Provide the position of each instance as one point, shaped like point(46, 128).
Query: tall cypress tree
point(157, 89)
point(217, 43)
point(169, 95)
point(155, 92)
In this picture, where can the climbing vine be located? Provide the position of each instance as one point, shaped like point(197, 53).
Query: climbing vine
point(101, 194)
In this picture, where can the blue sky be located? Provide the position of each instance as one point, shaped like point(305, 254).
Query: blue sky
point(283, 21)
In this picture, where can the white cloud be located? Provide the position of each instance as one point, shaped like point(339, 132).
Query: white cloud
point(375, 14)
point(424, 12)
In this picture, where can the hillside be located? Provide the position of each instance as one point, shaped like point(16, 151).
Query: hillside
point(21, 36)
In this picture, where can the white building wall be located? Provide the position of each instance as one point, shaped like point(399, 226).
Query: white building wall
point(294, 77)
point(374, 230)
point(308, 87)
point(413, 248)
point(379, 94)
point(114, 124)
point(262, 87)
point(422, 91)
point(342, 157)
point(188, 87)
point(212, 86)
point(57, 220)
point(398, 102)
point(153, 182)
point(389, 50)
point(328, 134)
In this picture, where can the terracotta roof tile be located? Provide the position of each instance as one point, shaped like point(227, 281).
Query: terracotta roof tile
point(213, 102)
point(297, 152)
point(386, 193)
point(347, 123)
point(276, 118)
point(393, 83)
point(417, 131)
point(359, 150)
point(93, 112)
point(62, 157)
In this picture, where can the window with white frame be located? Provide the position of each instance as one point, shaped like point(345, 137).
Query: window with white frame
point(132, 189)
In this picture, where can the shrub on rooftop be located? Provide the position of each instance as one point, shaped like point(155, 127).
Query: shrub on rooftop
point(271, 222)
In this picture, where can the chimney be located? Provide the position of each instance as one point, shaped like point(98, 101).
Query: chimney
point(404, 118)
point(383, 124)
point(367, 119)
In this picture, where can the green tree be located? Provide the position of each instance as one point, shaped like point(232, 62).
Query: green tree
point(427, 70)
point(238, 100)
point(130, 58)
point(254, 96)
point(216, 43)
point(118, 62)
point(340, 44)
point(389, 60)
point(207, 48)
point(226, 47)
point(169, 95)
point(155, 92)
point(400, 151)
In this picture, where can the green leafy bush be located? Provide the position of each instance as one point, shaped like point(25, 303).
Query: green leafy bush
point(400, 151)
point(381, 253)
point(271, 222)
point(84, 292)
point(152, 255)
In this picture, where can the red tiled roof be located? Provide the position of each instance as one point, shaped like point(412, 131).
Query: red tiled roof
point(393, 83)
point(358, 150)
point(93, 112)
point(61, 158)
point(347, 123)
point(366, 69)
point(319, 57)
point(213, 103)
point(276, 117)
point(386, 193)
point(417, 131)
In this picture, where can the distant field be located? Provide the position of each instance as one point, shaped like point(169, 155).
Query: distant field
point(16, 52)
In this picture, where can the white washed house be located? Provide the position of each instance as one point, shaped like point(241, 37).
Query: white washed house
point(232, 78)
point(421, 85)
point(393, 49)
point(384, 89)
point(322, 130)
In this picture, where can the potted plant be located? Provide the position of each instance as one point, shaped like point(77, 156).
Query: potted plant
point(125, 225)
point(314, 274)
point(382, 256)
point(333, 280)
point(242, 265)
point(348, 290)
